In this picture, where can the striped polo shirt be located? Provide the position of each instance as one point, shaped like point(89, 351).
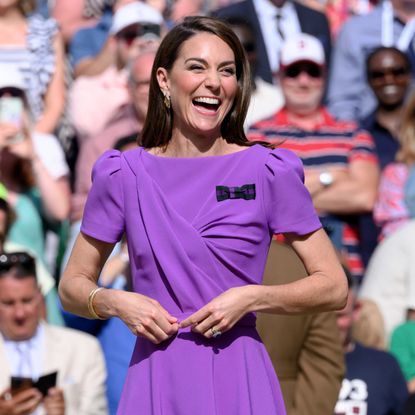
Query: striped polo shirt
point(329, 143)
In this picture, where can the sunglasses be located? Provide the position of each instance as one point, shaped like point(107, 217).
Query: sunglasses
point(128, 36)
point(313, 71)
point(11, 91)
point(17, 259)
point(397, 72)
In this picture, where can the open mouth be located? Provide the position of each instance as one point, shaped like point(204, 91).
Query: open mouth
point(207, 103)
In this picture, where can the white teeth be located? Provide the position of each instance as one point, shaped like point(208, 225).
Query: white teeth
point(390, 89)
point(213, 101)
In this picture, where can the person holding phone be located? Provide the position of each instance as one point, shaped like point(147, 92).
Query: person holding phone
point(43, 368)
point(32, 166)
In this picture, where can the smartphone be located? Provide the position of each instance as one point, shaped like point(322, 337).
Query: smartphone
point(11, 112)
point(43, 384)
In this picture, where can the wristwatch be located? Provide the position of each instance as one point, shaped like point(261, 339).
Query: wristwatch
point(326, 178)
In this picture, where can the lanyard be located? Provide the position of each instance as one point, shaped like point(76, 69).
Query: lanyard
point(405, 37)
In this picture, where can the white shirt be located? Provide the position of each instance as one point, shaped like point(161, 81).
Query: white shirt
point(266, 100)
point(290, 25)
point(25, 357)
point(49, 150)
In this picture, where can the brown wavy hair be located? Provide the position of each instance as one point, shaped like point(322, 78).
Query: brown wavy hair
point(406, 153)
point(158, 126)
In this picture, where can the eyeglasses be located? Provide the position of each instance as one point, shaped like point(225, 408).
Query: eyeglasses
point(11, 91)
point(17, 259)
point(377, 75)
point(313, 71)
point(130, 35)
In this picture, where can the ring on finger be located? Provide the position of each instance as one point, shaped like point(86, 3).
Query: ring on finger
point(215, 332)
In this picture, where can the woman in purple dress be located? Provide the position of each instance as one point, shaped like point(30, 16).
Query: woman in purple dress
point(199, 205)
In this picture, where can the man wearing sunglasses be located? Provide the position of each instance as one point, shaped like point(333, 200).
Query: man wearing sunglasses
point(341, 169)
point(94, 100)
point(30, 349)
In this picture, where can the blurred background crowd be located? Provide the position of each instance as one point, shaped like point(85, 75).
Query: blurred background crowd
point(331, 80)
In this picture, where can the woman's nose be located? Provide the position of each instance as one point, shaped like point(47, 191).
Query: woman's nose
point(212, 80)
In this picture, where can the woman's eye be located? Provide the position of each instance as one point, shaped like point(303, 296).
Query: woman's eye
point(196, 68)
point(229, 71)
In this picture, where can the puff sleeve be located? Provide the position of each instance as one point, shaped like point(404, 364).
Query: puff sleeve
point(103, 217)
point(288, 204)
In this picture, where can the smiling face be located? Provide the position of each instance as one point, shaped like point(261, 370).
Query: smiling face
point(202, 85)
point(302, 84)
point(389, 77)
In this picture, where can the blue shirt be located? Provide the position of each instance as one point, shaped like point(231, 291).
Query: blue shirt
point(87, 43)
point(385, 143)
point(373, 385)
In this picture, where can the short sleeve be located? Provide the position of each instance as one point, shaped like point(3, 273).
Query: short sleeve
point(103, 217)
point(288, 203)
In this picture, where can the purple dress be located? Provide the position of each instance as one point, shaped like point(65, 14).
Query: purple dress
point(196, 227)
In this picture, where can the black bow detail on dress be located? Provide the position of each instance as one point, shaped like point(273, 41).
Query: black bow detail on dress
point(247, 192)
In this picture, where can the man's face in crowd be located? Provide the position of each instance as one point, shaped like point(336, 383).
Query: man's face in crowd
point(135, 39)
point(20, 307)
point(389, 77)
point(140, 83)
point(302, 84)
point(346, 317)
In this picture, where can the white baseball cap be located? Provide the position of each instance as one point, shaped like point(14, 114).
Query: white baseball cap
point(135, 13)
point(302, 47)
point(11, 76)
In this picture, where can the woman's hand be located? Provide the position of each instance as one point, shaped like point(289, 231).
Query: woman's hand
point(222, 313)
point(146, 318)
point(19, 145)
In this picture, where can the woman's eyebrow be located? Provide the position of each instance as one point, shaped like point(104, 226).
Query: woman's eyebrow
point(201, 60)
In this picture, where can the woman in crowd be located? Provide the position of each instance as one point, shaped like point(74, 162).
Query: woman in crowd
point(199, 205)
point(35, 45)
point(395, 205)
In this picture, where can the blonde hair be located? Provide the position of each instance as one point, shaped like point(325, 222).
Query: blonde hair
point(27, 6)
point(406, 153)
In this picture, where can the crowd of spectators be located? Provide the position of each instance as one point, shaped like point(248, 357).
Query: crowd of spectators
point(331, 81)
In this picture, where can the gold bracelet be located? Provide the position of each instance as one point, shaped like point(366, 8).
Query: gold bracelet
point(91, 308)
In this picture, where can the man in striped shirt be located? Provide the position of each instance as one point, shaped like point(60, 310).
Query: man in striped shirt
point(341, 168)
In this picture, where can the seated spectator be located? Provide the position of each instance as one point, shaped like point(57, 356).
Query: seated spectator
point(71, 17)
point(94, 100)
point(90, 48)
point(341, 171)
point(30, 348)
point(266, 98)
point(402, 346)
point(45, 280)
point(35, 45)
point(305, 350)
point(33, 167)
point(273, 22)
point(389, 24)
point(390, 277)
point(374, 383)
point(389, 76)
point(391, 210)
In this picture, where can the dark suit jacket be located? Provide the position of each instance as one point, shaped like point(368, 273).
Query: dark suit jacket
point(305, 350)
point(311, 22)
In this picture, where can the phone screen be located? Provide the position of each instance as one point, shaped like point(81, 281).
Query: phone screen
point(11, 110)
